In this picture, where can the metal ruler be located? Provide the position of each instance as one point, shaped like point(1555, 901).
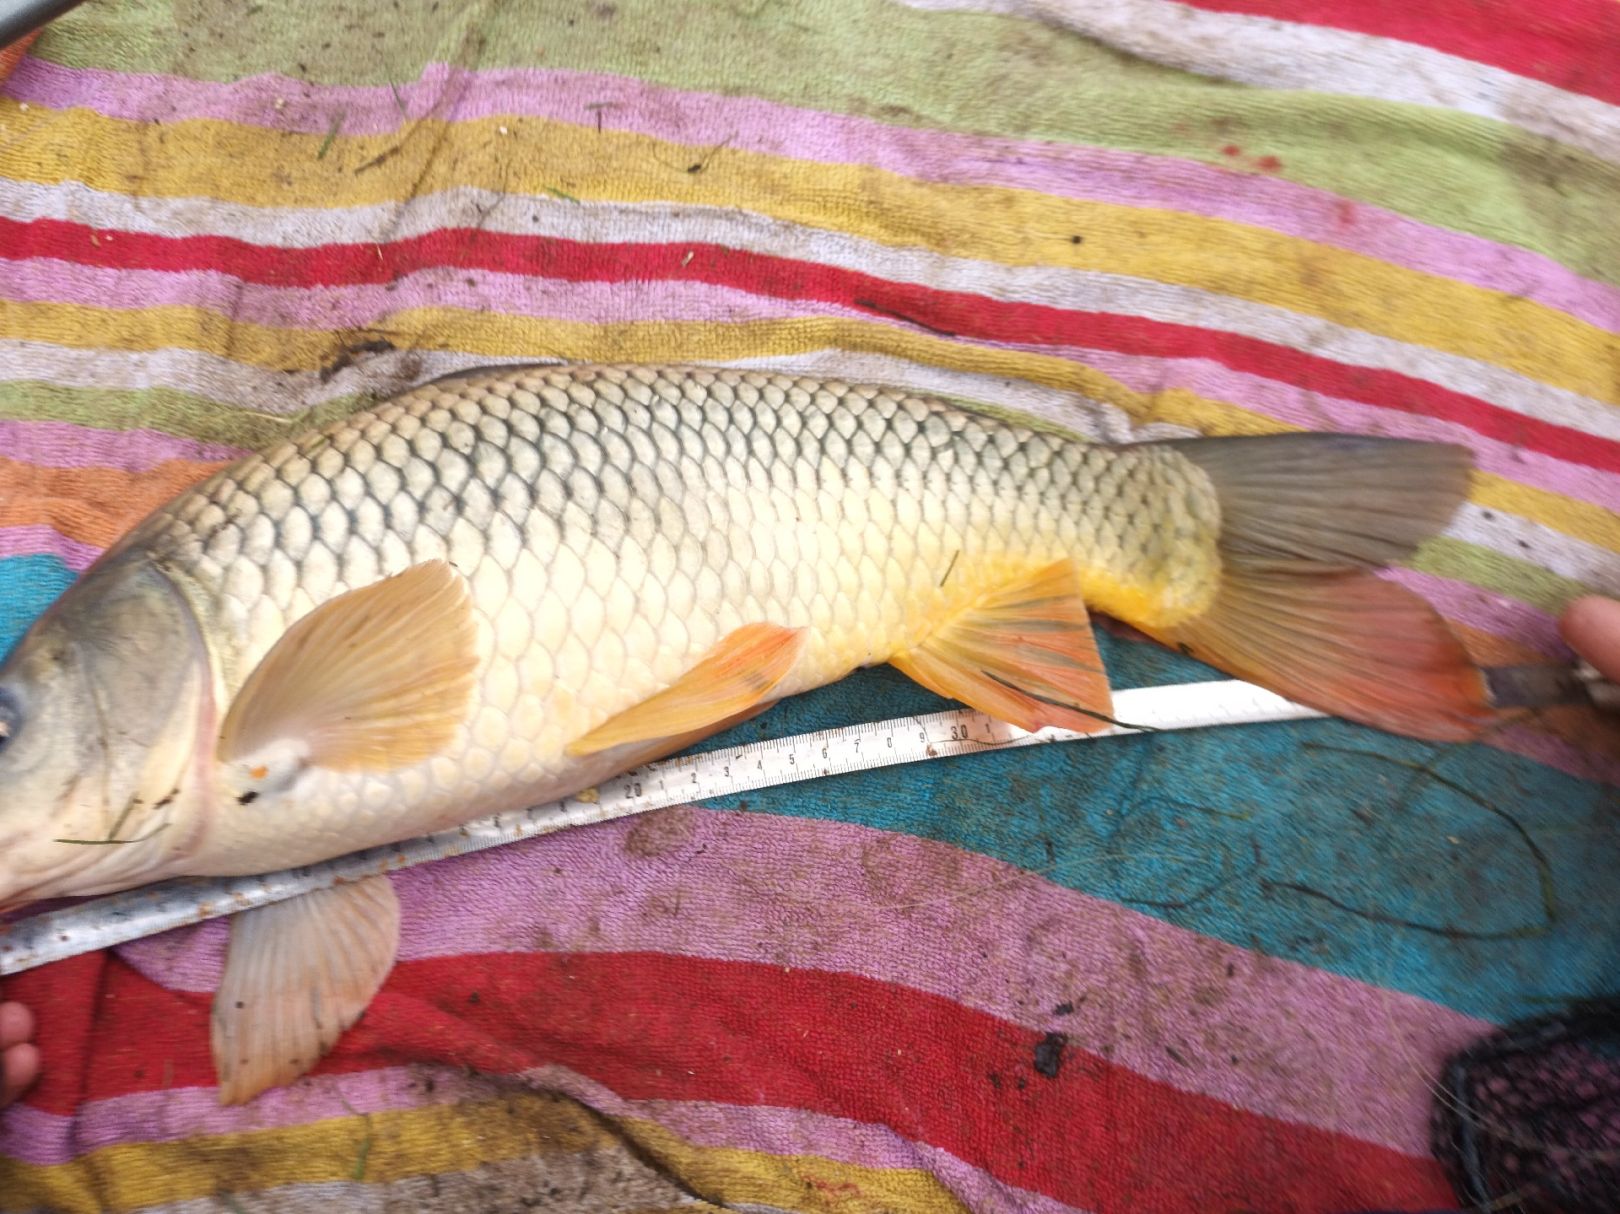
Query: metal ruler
point(118, 918)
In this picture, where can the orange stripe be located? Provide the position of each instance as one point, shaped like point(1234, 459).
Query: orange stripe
point(91, 505)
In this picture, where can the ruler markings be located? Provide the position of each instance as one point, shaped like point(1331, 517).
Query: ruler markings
point(145, 911)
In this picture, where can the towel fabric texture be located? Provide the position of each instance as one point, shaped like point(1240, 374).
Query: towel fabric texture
point(1177, 974)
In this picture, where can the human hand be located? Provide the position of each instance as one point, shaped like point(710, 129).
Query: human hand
point(19, 1056)
point(1591, 627)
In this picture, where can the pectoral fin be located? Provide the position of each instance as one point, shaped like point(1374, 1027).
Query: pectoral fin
point(297, 975)
point(1024, 654)
point(374, 679)
point(737, 676)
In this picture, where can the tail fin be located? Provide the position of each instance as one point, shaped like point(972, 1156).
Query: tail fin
point(1304, 517)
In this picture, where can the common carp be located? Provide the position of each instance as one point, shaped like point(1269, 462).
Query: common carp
point(505, 586)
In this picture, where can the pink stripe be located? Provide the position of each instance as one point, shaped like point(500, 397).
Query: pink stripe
point(1556, 752)
point(325, 308)
point(1062, 170)
point(1286, 402)
point(45, 280)
point(44, 1139)
point(1487, 611)
point(37, 539)
point(1337, 1054)
point(65, 445)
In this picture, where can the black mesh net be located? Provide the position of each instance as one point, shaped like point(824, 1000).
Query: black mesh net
point(1527, 1120)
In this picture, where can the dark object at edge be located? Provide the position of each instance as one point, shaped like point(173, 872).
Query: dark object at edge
point(1527, 1120)
point(21, 17)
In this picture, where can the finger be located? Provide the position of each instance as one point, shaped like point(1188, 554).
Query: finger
point(19, 1067)
point(16, 1024)
point(1591, 625)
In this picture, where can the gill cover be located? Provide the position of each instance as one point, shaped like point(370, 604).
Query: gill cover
point(103, 701)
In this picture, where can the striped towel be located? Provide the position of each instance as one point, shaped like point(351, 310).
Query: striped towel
point(1180, 974)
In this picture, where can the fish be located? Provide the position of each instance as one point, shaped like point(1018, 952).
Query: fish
point(507, 585)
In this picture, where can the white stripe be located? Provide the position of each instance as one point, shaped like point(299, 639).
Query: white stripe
point(671, 223)
point(284, 395)
point(251, 389)
point(1537, 544)
point(287, 396)
point(1291, 55)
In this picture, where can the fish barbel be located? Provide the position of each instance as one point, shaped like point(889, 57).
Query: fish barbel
point(505, 586)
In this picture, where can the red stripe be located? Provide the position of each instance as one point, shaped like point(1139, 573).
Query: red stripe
point(657, 1027)
point(962, 314)
point(1571, 44)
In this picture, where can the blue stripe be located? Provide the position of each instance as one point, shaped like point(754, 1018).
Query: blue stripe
point(1308, 840)
point(28, 584)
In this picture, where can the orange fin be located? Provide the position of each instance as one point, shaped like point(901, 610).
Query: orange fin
point(662, 748)
point(1025, 654)
point(297, 974)
point(373, 679)
point(736, 677)
point(1303, 517)
point(1350, 644)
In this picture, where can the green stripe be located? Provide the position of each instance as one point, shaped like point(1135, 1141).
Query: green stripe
point(955, 71)
point(164, 409)
point(1495, 571)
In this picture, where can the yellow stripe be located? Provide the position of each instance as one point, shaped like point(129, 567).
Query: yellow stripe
point(384, 1147)
point(807, 1183)
point(210, 158)
point(503, 336)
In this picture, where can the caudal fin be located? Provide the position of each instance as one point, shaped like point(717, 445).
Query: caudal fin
point(1304, 517)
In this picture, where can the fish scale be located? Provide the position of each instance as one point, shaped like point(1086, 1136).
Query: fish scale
point(614, 523)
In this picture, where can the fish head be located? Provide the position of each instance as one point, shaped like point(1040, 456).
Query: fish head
point(104, 706)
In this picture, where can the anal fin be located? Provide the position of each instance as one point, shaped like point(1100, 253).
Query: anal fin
point(735, 679)
point(1024, 654)
point(297, 974)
